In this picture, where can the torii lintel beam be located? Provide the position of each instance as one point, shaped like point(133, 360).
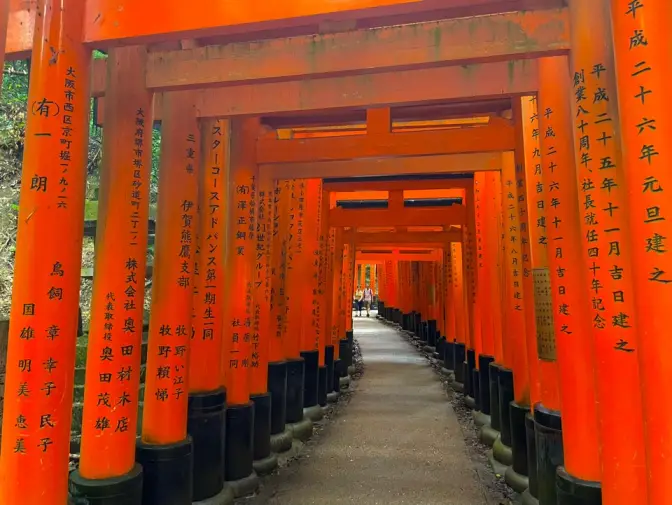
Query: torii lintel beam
point(417, 238)
point(407, 165)
point(442, 216)
point(495, 137)
point(465, 40)
point(353, 185)
point(442, 84)
point(115, 22)
point(398, 256)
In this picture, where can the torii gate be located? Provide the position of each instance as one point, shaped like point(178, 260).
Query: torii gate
point(495, 56)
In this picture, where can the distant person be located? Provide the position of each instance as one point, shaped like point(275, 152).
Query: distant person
point(367, 298)
point(358, 301)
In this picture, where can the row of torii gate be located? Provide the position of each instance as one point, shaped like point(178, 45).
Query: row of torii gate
point(545, 120)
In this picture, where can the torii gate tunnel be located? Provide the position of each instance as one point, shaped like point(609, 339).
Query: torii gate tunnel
point(492, 169)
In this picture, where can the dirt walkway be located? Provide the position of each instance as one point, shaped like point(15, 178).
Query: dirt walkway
point(397, 442)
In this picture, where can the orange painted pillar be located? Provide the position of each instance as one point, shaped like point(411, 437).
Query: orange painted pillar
point(392, 269)
point(481, 328)
point(295, 276)
point(570, 298)
point(513, 376)
point(495, 274)
point(539, 313)
point(449, 295)
point(111, 402)
point(295, 313)
point(642, 53)
point(207, 395)
point(45, 296)
point(262, 287)
point(165, 442)
point(337, 328)
point(473, 339)
point(278, 210)
point(483, 325)
point(373, 280)
point(607, 244)
point(261, 222)
point(492, 360)
point(312, 340)
point(239, 299)
point(323, 299)
point(461, 319)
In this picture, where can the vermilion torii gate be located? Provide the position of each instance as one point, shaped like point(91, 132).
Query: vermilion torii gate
point(558, 287)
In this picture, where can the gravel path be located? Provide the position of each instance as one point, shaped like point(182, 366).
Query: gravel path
point(396, 442)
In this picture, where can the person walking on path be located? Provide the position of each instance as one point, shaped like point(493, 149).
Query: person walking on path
point(367, 298)
point(358, 300)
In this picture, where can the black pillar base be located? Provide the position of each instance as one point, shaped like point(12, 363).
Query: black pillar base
point(417, 320)
point(431, 333)
point(239, 441)
point(406, 321)
point(517, 474)
point(550, 454)
point(449, 356)
point(264, 460)
point(350, 335)
point(322, 386)
point(460, 354)
point(311, 361)
point(329, 363)
point(533, 485)
point(422, 334)
point(277, 386)
point(124, 490)
point(470, 363)
point(489, 433)
point(206, 424)
point(295, 382)
point(475, 388)
point(484, 382)
point(167, 473)
point(505, 382)
point(495, 416)
point(345, 353)
point(338, 369)
point(440, 346)
point(573, 491)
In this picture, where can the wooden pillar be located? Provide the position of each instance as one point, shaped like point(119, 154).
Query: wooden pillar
point(278, 210)
point(570, 297)
point(483, 329)
point(607, 244)
point(312, 341)
point(261, 222)
point(262, 286)
point(207, 395)
point(337, 319)
point(164, 423)
point(494, 188)
point(280, 237)
point(539, 329)
point(239, 298)
point(295, 276)
point(514, 275)
point(449, 294)
point(111, 400)
point(45, 296)
point(642, 53)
